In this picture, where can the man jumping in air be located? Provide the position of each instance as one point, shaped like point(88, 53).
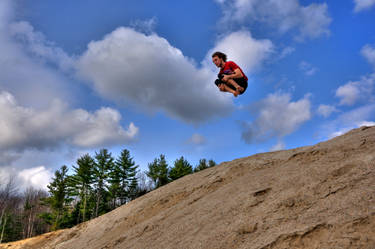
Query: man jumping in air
point(231, 78)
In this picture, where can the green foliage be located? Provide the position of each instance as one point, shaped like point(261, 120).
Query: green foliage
point(58, 189)
point(97, 185)
point(123, 178)
point(13, 227)
point(158, 171)
point(104, 163)
point(201, 166)
point(80, 183)
point(211, 163)
point(58, 200)
point(181, 168)
point(204, 165)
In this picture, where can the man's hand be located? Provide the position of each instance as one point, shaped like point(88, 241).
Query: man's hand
point(225, 78)
point(237, 74)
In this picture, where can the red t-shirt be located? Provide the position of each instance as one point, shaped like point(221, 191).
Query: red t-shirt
point(229, 68)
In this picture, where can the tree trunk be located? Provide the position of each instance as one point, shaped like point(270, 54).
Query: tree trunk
point(2, 214)
point(28, 226)
point(32, 225)
point(84, 204)
point(2, 231)
point(97, 204)
point(55, 227)
point(79, 212)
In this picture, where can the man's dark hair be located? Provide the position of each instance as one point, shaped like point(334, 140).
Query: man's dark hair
point(220, 55)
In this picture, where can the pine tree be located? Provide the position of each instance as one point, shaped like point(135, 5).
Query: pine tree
point(181, 168)
point(59, 198)
point(123, 178)
point(211, 163)
point(158, 171)
point(128, 171)
point(114, 187)
point(202, 165)
point(80, 183)
point(103, 164)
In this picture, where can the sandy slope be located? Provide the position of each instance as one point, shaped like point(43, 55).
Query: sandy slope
point(320, 196)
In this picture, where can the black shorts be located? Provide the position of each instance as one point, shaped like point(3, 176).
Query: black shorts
point(240, 81)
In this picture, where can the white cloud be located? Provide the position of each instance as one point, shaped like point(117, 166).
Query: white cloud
point(277, 116)
point(346, 129)
point(361, 116)
point(368, 52)
point(312, 21)
point(145, 70)
point(242, 48)
point(279, 146)
point(352, 126)
point(326, 110)
point(287, 51)
point(357, 116)
point(361, 90)
point(307, 68)
point(340, 132)
point(23, 68)
point(36, 43)
point(144, 26)
point(363, 5)
point(315, 21)
point(197, 139)
point(37, 177)
point(366, 123)
point(349, 93)
point(25, 128)
point(355, 91)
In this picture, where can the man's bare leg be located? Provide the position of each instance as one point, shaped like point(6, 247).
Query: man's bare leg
point(225, 88)
point(235, 85)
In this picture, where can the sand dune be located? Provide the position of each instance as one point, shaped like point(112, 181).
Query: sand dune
point(320, 196)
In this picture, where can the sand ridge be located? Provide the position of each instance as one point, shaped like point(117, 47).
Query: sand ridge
point(320, 196)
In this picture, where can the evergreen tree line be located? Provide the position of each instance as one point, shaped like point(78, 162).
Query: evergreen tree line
point(97, 184)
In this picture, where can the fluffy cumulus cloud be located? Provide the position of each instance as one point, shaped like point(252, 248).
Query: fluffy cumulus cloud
point(361, 116)
point(23, 62)
point(311, 21)
point(276, 116)
point(242, 48)
point(145, 70)
point(363, 5)
point(356, 91)
point(27, 128)
point(326, 110)
point(37, 177)
point(362, 90)
point(368, 52)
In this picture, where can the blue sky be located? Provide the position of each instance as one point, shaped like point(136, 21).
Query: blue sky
point(78, 76)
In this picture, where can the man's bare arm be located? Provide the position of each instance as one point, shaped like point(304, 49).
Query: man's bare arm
point(237, 74)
